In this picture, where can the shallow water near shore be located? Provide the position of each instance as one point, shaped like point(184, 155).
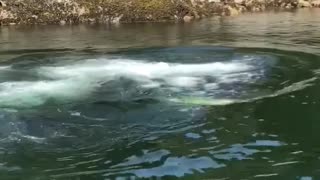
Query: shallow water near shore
point(221, 98)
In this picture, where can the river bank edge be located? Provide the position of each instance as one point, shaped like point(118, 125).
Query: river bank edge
point(27, 12)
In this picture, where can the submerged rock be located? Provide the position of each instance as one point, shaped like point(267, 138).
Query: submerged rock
point(117, 11)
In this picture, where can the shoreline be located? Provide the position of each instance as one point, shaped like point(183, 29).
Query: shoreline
point(30, 12)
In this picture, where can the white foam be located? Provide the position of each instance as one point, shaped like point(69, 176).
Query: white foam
point(145, 69)
point(4, 67)
point(149, 74)
point(76, 81)
point(24, 94)
point(184, 81)
point(211, 86)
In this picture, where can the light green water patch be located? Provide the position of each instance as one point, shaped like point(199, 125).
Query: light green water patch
point(211, 101)
point(205, 101)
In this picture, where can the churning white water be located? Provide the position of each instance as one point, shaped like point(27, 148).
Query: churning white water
point(77, 80)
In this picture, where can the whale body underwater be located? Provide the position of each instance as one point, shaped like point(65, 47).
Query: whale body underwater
point(124, 79)
point(77, 80)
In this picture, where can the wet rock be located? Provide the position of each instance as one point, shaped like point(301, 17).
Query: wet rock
point(117, 11)
point(2, 4)
point(187, 18)
point(304, 4)
point(231, 11)
point(241, 9)
point(4, 14)
point(315, 3)
point(63, 22)
point(116, 20)
point(34, 16)
point(287, 6)
point(239, 1)
point(91, 20)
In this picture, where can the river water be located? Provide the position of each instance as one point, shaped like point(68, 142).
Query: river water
point(221, 98)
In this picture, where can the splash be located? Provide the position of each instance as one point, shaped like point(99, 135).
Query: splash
point(26, 93)
point(78, 80)
point(4, 67)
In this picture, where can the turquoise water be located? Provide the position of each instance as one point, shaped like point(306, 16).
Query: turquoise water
point(221, 98)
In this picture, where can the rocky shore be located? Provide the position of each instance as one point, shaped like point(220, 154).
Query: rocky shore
point(62, 12)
